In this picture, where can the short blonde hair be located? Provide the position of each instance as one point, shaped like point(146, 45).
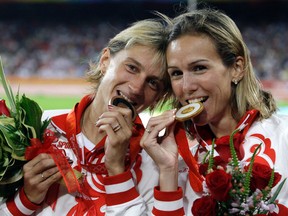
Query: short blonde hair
point(149, 32)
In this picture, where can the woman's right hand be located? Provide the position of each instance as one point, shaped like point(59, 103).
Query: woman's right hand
point(163, 149)
point(39, 174)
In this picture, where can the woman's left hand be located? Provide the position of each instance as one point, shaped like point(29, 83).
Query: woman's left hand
point(117, 124)
point(163, 149)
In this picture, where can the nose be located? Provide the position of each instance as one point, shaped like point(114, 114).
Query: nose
point(189, 83)
point(137, 86)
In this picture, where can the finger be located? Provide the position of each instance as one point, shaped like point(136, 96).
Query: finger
point(37, 159)
point(115, 121)
point(48, 173)
point(52, 177)
point(125, 114)
point(157, 124)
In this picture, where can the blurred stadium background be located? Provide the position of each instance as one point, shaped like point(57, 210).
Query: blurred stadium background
point(46, 45)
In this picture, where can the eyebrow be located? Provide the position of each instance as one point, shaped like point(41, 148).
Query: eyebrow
point(191, 63)
point(197, 61)
point(141, 66)
point(135, 61)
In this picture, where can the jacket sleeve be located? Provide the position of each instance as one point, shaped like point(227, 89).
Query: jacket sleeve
point(18, 205)
point(168, 203)
point(122, 197)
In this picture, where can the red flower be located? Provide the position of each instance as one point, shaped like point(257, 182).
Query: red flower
point(4, 109)
point(217, 162)
point(261, 175)
point(219, 184)
point(204, 206)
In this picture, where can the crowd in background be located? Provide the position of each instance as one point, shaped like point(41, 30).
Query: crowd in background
point(51, 50)
point(64, 50)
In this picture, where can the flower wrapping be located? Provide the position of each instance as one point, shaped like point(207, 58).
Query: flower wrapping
point(23, 135)
point(236, 188)
point(19, 124)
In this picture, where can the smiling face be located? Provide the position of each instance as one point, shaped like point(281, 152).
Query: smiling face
point(197, 73)
point(133, 74)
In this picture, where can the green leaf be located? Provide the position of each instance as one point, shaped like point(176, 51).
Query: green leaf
point(235, 161)
point(279, 188)
point(211, 158)
point(7, 88)
point(249, 173)
point(33, 114)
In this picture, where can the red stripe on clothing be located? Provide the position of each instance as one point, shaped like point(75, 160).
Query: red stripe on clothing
point(123, 177)
point(119, 198)
point(11, 205)
point(179, 212)
point(168, 195)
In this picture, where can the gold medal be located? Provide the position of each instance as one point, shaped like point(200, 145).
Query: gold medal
point(189, 111)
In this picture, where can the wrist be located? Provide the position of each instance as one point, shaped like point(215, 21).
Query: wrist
point(115, 169)
point(168, 179)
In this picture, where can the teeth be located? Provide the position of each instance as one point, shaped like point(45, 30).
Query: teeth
point(125, 97)
point(196, 100)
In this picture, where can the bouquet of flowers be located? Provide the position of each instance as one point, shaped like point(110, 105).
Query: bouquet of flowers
point(20, 125)
point(236, 188)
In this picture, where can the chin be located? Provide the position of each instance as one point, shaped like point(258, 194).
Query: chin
point(199, 121)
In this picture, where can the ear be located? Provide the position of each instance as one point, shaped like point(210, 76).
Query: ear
point(238, 69)
point(104, 60)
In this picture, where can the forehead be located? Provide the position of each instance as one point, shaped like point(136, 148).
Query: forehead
point(189, 45)
point(145, 57)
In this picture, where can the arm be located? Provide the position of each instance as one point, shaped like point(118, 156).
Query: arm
point(121, 184)
point(164, 152)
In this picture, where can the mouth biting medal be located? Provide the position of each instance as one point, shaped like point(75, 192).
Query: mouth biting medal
point(189, 111)
point(121, 102)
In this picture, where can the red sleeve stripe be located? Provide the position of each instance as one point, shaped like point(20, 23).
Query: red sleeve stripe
point(167, 196)
point(16, 207)
point(123, 177)
point(119, 198)
point(120, 187)
point(179, 212)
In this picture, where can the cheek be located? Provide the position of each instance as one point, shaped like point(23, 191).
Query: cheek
point(177, 89)
point(151, 96)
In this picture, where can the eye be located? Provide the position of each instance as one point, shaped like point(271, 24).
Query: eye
point(131, 68)
point(175, 74)
point(199, 68)
point(154, 84)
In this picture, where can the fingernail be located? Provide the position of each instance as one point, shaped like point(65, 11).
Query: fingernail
point(174, 110)
point(110, 107)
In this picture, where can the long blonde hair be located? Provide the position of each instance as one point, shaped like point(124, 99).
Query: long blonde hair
point(248, 93)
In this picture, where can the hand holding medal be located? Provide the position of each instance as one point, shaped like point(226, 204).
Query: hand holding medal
point(121, 102)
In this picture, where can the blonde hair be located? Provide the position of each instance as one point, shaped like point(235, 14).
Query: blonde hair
point(149, 32)
point(248, 93)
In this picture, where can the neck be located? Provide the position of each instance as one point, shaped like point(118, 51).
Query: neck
point(224, 128)
point(88, 126)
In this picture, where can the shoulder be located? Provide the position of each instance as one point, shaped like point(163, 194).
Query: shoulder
point(50, 113)
point(58, 119)
point(275, 122)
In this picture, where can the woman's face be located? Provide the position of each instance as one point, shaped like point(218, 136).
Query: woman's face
point(133, 74)
point(197, 73)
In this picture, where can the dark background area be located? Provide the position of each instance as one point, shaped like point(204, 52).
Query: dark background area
point(37, 35)
point(56, 39)
point(78, 11)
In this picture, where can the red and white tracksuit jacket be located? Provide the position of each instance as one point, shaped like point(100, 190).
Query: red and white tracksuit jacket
point(272, 132)
point(130, 193)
